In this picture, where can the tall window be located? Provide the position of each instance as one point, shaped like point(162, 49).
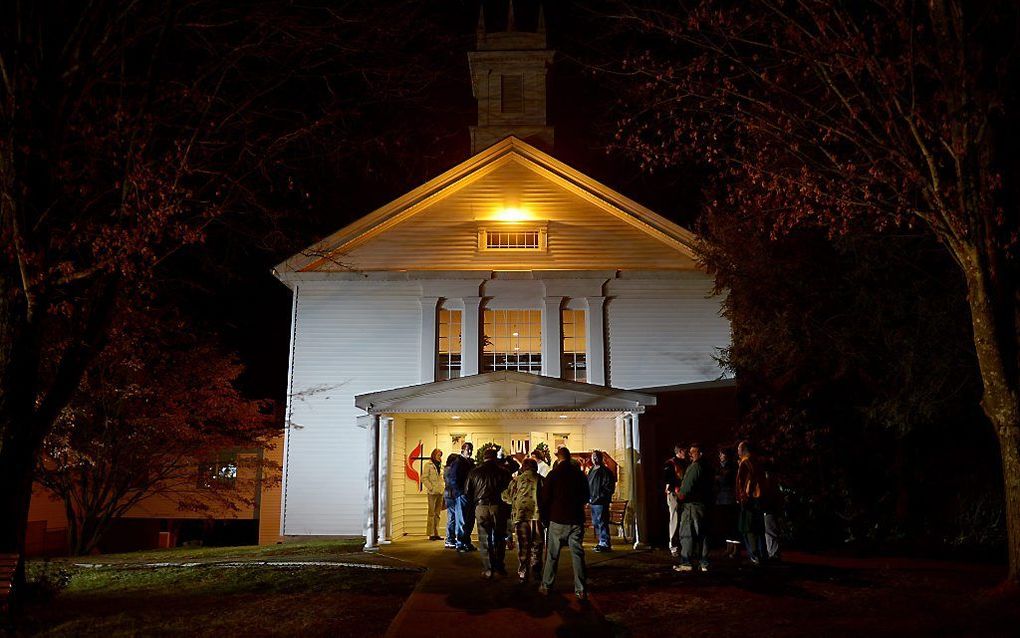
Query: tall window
point(512, 340)
point(448, 348)
point(575, 351)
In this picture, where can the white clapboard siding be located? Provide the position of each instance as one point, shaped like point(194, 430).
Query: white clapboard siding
point(344, 345)
point(664, 332)
point(415, 502)
point(399, 452)
point(581, 235)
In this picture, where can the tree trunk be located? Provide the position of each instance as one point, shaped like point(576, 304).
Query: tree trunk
point(1001, 398)
point(17, 460)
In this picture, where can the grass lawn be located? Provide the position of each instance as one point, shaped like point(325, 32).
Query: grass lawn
point(255, 600)
point(808, 595)
point(311, 550)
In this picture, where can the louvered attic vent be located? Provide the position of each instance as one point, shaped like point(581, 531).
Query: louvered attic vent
point(524, 239)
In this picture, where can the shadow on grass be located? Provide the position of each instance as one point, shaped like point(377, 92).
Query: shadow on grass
point(781, 580)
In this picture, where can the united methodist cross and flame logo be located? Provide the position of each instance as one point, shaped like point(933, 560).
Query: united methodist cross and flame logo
point(415, 473)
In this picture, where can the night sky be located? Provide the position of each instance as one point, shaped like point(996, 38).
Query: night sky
point(394, 146)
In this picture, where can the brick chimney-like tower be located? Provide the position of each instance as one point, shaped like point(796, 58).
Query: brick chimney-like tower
point(508, 77)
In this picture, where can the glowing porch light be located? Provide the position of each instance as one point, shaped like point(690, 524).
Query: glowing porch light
point(512, 214)
point(563, 416)
point(455, 417)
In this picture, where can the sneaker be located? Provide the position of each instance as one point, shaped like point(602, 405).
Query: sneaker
point(682, 568)
point(449, 545)
point(582, 596)
point(487, 574)
point(703, 567)
point(543, 590)
point(435, 538)
point(755, 561)
point(600, 549)
point(675, 553)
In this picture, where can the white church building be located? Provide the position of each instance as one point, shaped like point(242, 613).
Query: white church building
point(512, 299)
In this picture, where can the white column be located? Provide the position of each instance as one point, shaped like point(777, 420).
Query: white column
point(552, 337)
point(372, 515)
point(637, 486)
point(429, 315)
point(595, 337)
point(385, 447)
point(470, 338)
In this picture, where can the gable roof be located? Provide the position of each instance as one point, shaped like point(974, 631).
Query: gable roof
point(510, 149)
point(504, 391)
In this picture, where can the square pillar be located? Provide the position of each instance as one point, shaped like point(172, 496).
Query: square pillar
point(429, 317)
point(595, 337)
point(471, 343)
point(552, 337)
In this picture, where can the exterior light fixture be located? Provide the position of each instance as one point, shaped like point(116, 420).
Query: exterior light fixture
point(563, 416)
point(455, 417)
point(512, 214)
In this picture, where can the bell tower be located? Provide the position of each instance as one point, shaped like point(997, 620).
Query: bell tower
point(508, 78)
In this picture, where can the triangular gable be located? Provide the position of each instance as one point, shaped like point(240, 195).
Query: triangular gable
point(505, 391)
point(509, 154)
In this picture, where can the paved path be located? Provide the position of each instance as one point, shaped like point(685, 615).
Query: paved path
point(453, 600)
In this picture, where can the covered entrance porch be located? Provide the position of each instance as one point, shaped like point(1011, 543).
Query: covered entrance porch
point(518, 411)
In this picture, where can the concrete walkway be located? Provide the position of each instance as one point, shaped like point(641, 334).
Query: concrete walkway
point(453, 599)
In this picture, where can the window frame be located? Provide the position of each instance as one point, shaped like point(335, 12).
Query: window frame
point(513, 227)
point(451, 354)
point(580, 333)
point(534, 363)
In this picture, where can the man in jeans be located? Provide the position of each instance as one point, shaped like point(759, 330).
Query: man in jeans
point(672, 475)
point(562, 506)
point(465, 508)
point(601, 485)
point(696, 490)
point(485, 487)
point(750, 484)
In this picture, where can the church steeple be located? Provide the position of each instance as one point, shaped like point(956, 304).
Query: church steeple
point(508, 78)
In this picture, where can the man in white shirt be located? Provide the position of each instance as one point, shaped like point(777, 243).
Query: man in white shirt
point(543, 467)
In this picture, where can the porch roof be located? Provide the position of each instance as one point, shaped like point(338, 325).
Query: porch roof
point(504, 391)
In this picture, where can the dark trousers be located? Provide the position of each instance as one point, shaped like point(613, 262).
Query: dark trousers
point(693, 534)
point(491, 536)
point(752, 527)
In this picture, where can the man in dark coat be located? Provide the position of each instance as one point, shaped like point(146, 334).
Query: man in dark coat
point(466, 509)
point(561, 505)
point(601, 486)
point(485, 487)
point(697, 493)
point(672, 475)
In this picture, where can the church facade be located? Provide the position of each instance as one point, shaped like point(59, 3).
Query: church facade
point(510, 300)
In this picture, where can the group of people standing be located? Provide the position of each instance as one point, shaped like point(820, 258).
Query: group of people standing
point(737, 501)
point(538, 508)
point(541, 509)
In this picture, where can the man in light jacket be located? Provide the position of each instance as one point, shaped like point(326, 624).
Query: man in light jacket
point(432, 481)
